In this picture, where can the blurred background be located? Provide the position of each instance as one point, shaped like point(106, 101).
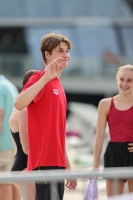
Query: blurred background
point(101, 33)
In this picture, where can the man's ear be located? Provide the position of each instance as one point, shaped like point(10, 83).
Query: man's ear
point(47, 54)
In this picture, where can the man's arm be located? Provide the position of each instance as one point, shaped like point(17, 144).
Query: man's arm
point(68, 166)
point(26, 97)
point(71, 184)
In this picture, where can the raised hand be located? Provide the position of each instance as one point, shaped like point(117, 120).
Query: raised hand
point(54, 69)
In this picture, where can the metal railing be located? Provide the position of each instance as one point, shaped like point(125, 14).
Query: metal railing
point(54, 176)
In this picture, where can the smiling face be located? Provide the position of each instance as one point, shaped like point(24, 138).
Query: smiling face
point(125, 82)
point(62, 50)
point(54, 45)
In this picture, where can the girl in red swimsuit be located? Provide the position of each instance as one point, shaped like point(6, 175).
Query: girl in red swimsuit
point(118, 113)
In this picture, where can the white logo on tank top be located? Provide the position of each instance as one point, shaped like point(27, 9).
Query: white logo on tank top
point(55, 91)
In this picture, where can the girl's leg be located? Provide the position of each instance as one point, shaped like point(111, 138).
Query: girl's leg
point(9, 191)
point(130, 185)
point(6, 192)
point(114, 187)
point(27, 189)
point(16, 193)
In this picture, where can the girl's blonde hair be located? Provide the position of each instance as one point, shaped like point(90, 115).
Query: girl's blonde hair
point(122, 68)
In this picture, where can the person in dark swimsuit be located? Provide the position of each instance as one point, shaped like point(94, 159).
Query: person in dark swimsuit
point(18, 127)
point(20, 158)
point(117, 111)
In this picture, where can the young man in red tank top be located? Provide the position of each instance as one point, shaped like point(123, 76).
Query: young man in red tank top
point(118, 113)
point(45, 99)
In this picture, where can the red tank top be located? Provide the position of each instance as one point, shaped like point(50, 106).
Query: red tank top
point(120, 124)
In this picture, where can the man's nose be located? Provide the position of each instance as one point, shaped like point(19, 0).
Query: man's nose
point(65, 54)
